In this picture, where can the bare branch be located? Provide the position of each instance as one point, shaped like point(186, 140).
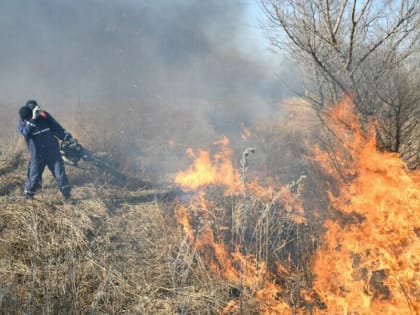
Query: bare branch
point(340, 17)
point(366, 49)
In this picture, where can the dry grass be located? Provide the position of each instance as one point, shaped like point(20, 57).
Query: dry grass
point(263, 228)
point(109, 251)
point(113, 250)
point(117, 248)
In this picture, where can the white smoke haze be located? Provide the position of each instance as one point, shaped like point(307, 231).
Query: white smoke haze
point(156, 59)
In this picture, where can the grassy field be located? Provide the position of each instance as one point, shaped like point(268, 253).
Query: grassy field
point(115, 247)
point(102, 253)
point(253, 242)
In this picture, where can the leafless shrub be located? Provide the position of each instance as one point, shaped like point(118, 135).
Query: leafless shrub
point(367, 50)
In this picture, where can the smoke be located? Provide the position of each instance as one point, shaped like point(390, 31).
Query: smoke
point(103, 51)
point(163, 59)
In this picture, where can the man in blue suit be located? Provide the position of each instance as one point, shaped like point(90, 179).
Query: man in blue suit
point(41, 132)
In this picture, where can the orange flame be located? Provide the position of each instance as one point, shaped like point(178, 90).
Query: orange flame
point(233, 266)
point(206, 170)
point(370, 261)
point(220, 259)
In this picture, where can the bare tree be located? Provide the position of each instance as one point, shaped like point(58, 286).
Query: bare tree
point(364, 48)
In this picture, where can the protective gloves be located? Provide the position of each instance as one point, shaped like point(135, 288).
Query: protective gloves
point(67, 136)
point(71, 142)
point(35, 112)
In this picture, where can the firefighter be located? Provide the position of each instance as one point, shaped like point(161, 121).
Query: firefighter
point(41, 132)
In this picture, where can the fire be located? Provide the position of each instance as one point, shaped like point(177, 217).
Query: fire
point(369, 262)
point(207, 170)
point(220, 259)
point(239, 269)
point(202, 223)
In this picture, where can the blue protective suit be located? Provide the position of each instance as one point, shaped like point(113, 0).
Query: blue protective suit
point(41, 136)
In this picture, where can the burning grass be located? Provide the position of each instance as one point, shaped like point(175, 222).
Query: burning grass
point(255, 237)
point(227, 243)
point(376, 252)
point(365, 258)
